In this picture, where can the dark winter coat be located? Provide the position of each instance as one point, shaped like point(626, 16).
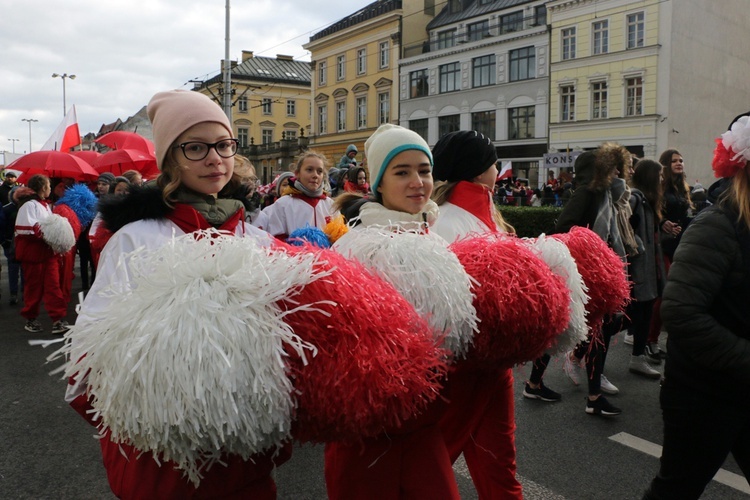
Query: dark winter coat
point(704, 307)
point(646, 269)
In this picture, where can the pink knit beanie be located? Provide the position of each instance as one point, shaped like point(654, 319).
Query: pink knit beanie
point(174, 111)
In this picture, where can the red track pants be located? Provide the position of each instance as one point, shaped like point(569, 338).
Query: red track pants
point(42, 282)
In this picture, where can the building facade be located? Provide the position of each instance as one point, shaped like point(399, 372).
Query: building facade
point(355, 75)
point(483, 65)
point(270, 109)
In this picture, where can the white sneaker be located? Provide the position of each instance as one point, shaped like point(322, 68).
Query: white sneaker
point(628, 339)
point(608, 386)
point(640, 366)
point(571, 368)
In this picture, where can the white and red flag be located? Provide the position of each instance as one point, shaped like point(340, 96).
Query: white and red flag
point(66, 135)
point(506, 171)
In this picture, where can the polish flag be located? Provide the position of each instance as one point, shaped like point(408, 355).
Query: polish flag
point(67, 134)
point(506, 172)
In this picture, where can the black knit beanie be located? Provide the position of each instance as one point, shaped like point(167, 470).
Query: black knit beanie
point(462, 155)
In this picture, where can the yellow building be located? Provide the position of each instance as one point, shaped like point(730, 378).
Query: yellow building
point(270, 109)
point(355, 72)
point(603, 74)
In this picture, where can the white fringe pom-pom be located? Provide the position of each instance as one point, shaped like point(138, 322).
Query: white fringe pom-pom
point(190, 361)
point(557, 256)
point(426, 273)
point(737, 138)
point(57, 233)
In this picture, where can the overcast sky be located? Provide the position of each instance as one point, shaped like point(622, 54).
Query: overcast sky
point(124, 51)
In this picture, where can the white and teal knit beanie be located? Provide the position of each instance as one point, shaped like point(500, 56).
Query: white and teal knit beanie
point(385, 143)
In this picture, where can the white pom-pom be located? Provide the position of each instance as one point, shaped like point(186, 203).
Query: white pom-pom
point(425, 272)
point(557, 256)
point(57, 233)
point(190, 361)
point(737, 138)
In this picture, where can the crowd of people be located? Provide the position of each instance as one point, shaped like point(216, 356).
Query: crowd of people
point(405, 215)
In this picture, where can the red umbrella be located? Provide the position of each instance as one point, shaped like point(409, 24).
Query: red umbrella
point(122, 139)
point(87, 156)
point(121, 160)
point(53, 164)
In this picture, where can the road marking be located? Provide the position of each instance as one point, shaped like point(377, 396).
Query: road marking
point(531, 490)
point(722, 476)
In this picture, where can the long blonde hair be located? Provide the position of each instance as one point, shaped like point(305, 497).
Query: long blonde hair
point(738, 195)
point(442, 192)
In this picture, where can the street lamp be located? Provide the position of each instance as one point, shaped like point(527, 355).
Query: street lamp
point(14, 141)
point(64, 76)
point(30, 120)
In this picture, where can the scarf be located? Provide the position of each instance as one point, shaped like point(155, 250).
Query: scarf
point(475, 199)
point(623, 212)
point(605, 224)
point(215, 211)
point(318, 193)
point(375, 214)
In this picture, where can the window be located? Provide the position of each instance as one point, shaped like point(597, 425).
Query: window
point(291, 107)
point(511, 22)
point(291, 135)
point(521, 122)
point(522, 64)
point(418, 84)
point(448, 124)
point(384, 107)
point(484, 122)
point(266, 135)
point(242, 104)
point(636, 29)
point(340, 67)
point(567, 103)
point(634, 96)
point(483, 71)
point(266, 105)
point(540, 15)
point(323, 119)
point(477, 31)
point(361, 61)
point(446, 39)
point(340, 116)
point(454, 6)
point(322, 73)
point(450, 77)
point(598, 100)
point(419, 126)
point(385, 55)
point(361, 112)
point(568, 43)
point(242, 136)
point(600, 31)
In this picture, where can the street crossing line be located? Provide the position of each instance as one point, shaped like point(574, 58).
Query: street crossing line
point(722, 476)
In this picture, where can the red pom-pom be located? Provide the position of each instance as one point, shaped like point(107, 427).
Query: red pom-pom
point(722, 164)
point(377, 364)
point(602, 272)
point(521, 304)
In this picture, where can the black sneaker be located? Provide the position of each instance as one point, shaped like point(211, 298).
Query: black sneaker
point(653, 354)
point(542, 392)
point(600, 406)
point(33, 326)
point(60, 327)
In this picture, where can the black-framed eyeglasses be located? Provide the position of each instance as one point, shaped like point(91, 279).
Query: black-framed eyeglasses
point(195, 150)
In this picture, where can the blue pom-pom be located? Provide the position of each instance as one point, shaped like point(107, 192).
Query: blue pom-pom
point(309, 234)
point(82, 201)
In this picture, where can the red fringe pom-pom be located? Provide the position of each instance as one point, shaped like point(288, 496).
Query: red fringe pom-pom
point(377, 364)
point(722, 164)
point(522, 306)
point(602, 272)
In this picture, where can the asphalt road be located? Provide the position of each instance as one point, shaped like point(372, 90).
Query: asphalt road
point(48, 451)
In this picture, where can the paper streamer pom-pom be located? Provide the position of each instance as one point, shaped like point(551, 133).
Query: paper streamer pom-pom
point(602, 272)
point(309, 234)
point(376, 365)
point(522, 305)
point(723, 163)
point(189, 361)
point(557, 256)
point(425, 273)
point(82, 201)
point(336, 228)
point(57, 233)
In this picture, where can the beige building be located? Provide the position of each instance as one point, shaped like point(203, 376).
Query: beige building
point(270, 109)
point(355, 72)
point(649, 75)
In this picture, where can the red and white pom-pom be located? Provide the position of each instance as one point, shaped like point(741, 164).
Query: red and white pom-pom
point(377, 363)
point(57, 233)
point(557, 256)
point(602, 271)
point(522, 306)
point(425, 272)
